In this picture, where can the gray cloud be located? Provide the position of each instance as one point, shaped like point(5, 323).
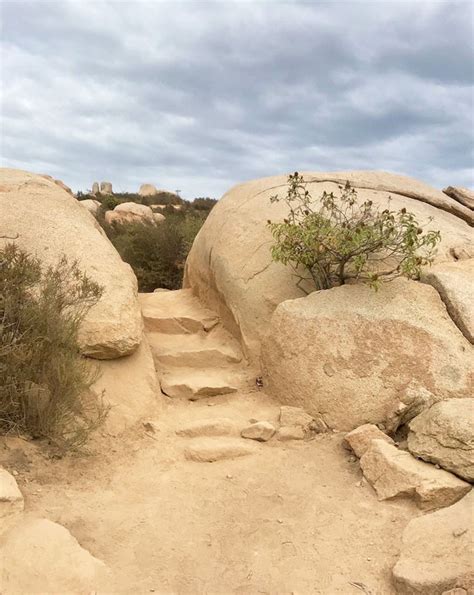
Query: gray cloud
point(202, 95)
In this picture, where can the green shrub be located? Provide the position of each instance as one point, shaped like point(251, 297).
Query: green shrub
point(156, 252)
point(44, 381)
point(339, 239)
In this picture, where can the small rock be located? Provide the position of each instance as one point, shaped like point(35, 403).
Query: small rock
point(432, 561)
point(359, 439)
point(15, 472)
point(291, 433)
point(219, 426)
point(393, 472)
point(261, 431)
point(209, 450)
point(11, 499)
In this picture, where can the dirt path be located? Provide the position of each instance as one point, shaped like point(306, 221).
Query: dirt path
point(289, 517)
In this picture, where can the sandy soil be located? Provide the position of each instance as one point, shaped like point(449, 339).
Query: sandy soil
point(292, 518)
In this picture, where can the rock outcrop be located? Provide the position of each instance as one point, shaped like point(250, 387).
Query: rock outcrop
point(95, 188)
point(355, 356)
point(59, 183)
point(39, 556)
point(436, 552)
point(462, 195)
point(113, 327)
point(230, 266)
point(147, 190)
point(106, 188)
point(393, 473)
point(92, 206)
point(360, 439)
point(129, 212)
point(454, 281)
point(444, 434)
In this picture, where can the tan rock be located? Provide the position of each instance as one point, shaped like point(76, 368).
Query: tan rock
point(11, 500)
point(286, 433)
point(296, 416)
point(130, 386)
point(352, 355)
point(437, 551)
point(444, 434)
point(462, 195)
point(209, 450)
point(393, 472)
point(92, 206)
point(106, 188)
point(454, 282)
point(113, 327)
point(147, 190)
point(39, 556)
point(131, 211)
point(195, 384)
point(220, 426)
point(230, 265)
point(158, 217)
point(95, 188)
point(359, 440)
point(261, 431)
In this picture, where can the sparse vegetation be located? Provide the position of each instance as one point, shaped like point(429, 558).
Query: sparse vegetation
point(44, 381)
point(339, 239)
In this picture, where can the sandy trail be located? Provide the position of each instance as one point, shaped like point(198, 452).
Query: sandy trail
point(290, 518)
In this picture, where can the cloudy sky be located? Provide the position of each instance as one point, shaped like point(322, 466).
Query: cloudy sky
point(198, 96)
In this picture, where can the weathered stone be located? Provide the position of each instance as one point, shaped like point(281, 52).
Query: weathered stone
point(113, 327)
point(230, 265)
point(393, 472)
point(11, 499)
point(147, 190)
point(39, 556)
point(454, 281)
point(352, 355)
point(437, 551)
point(291, 433)
point(261, 431)
point(462, 195)
point(444, 434)
point(194, 384)
point(359, 439)
point(219, 426)
point(92, 206)
point(209, 450)
point(131, 211)
point(106, 188)
point(95, 188)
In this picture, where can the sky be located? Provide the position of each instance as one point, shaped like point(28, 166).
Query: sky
point(199, 96)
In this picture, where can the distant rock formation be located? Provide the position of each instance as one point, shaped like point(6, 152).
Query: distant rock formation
point(95, 188)
point(147, 190)
point(128, 212)
point(106, 188)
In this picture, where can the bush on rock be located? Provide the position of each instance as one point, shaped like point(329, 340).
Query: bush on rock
point(340, 239)
point(44, 380)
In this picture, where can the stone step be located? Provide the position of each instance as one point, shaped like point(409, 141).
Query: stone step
point(195, 384)
point(176, 312)
point(210, 450)
point(199, 350)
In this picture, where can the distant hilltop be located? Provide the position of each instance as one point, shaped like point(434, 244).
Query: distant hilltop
point(144, 190)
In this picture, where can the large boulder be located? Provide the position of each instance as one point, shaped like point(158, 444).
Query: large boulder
point(437, 551)
point(91, 205)
point(129, 212)
point(356, 356)
point(444, 434)
point(39, 556)
point(462, 195)
point(230, 265)
point(147, 190)
point(50, 223)
point(95, 188)
point(106, 188)
point(454, 282)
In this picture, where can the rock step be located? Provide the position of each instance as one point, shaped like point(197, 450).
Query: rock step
point(175, 312)
point(210, 450)
point(218, 426)
point(198, 350)
point(195, 384)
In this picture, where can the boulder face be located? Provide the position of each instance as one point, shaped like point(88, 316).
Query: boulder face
point(51, 223)
point(147, 190)
point(129, 212)
point(92, 206)
point(444, 434)
point(462, 195)
point(355, 356)
point(436, 551)
point(230, 265)
point(106, 188)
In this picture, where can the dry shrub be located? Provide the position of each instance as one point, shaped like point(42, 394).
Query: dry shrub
point(44, 381)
